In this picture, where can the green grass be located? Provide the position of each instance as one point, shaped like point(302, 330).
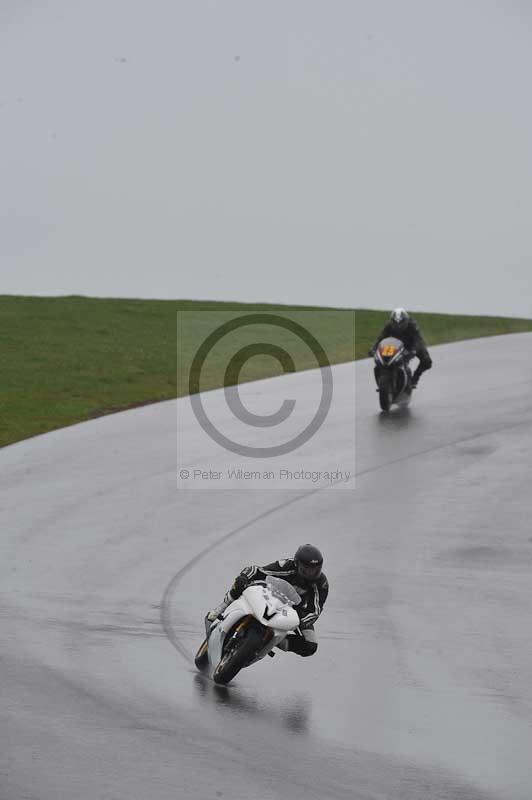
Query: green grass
point(68, 359)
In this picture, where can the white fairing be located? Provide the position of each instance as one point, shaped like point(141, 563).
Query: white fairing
point(269, 610)
point(262, 602)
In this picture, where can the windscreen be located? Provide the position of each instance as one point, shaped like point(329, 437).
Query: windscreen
point(282, 590)
point(391, 343)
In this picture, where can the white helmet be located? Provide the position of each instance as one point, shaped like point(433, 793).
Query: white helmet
point(400, 317)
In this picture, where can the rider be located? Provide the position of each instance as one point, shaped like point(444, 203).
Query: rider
point(304, 572)
point(404, 327)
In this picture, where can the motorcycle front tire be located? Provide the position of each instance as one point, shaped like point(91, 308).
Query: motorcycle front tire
point(238, 655)
point(385, 391)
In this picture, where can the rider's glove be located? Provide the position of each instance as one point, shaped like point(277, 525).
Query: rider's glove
point(219, 610)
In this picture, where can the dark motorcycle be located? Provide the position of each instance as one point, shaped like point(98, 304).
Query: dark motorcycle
point(392, 373)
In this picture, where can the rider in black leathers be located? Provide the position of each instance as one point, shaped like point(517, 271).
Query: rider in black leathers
point(404, 327)
point(304, 572)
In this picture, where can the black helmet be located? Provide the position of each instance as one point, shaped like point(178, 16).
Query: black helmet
point(309, 562)
point(400, 317)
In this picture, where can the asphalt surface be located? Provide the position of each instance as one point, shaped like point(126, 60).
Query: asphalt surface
point(421, 687)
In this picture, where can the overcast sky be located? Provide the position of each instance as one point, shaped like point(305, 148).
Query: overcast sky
point(348, 153)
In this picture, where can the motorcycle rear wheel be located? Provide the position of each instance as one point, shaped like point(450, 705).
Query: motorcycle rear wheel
point(239, 654)
point(202, 656)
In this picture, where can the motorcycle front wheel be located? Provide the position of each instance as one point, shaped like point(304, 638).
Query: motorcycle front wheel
point(385, 391)
point(238, 654)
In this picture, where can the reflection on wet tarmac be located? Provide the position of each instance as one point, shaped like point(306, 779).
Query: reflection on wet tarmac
point(291, 713)
point(396, 419)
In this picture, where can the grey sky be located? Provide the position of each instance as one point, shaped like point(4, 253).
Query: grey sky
point(346, 153)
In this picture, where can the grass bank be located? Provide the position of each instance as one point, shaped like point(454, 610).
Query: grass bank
point(68, 359)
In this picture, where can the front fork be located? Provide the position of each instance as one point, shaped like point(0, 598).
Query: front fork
point(403, 373)
point(240, 630)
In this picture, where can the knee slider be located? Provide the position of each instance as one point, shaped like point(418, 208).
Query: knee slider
point(309, 649)
point(297, 644)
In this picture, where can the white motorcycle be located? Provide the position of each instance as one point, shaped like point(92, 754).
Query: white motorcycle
point(249, 629)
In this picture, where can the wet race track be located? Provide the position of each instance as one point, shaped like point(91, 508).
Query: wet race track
point(421, 687)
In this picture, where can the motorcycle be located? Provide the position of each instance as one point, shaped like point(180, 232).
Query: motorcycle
point(394, 378)
point(249, 629)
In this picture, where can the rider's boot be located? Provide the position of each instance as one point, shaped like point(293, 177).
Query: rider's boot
point(217, 612)
point(415, 377)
